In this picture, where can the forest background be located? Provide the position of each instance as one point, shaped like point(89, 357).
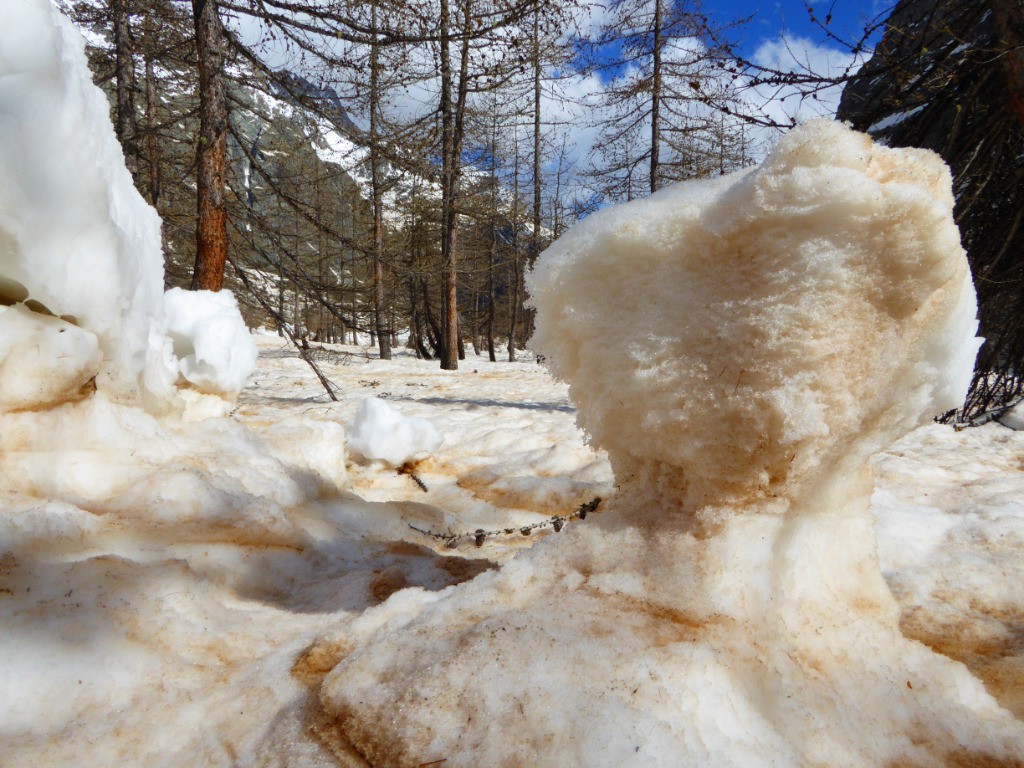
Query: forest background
point(385, 172)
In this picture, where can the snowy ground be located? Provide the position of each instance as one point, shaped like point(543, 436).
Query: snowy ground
point(146, 635)
point(189, 581)
point(158, 588)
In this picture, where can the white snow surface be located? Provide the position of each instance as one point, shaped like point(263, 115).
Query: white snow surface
point(379, 432)
point(181, 588)
point(174, 593)
point(73, 229)
point(213, 347)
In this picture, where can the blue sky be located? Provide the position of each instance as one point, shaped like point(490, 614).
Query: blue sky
point(772, 17)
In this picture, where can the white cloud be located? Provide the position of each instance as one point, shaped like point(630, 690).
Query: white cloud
point(819, 70)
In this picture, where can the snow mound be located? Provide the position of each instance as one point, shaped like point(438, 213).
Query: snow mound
point(79, 242)
point(215, 352)
point(379, 432)
point(768, 327)
point(73, 229)
point(741, 348)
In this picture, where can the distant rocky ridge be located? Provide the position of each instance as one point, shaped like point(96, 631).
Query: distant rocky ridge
point(948, 75)
point(296, 89)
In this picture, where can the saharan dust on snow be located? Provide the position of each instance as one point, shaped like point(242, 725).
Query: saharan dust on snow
point(204, 562)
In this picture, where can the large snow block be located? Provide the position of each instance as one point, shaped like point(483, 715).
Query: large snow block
point(73, 229)
point(734, 339)
point(740, 347)
point(214, 350)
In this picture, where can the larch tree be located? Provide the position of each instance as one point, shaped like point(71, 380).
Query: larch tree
point(212, 152)
point(660, 56)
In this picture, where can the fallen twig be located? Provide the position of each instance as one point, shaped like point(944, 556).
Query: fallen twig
point(409, 469)
point(479, 536)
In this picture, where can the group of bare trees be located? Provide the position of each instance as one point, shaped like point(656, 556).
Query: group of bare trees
point(453, 176)
point(416, 220)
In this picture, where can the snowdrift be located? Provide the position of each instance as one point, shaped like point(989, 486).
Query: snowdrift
point(180, 588)
point(741, 348)
point(78, 242)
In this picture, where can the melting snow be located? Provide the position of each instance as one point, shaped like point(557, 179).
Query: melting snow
point(184, 587)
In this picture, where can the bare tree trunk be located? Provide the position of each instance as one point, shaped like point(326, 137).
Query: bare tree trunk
point(493, 251)
point(475, 336)
point(211, 167)
point(656, 96)
point(452, 130)
point(490, 296)
point(124, 75)
point(536, 133)
point(449, 339)
point(415, 336)
point(152, 146)
point(513, 322)
point(383, 337)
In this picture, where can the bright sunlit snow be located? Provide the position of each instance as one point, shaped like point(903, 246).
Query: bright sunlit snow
point(380, 432)
point(80, 242)
point(182, 587)
point(741, 348)
point(214, 350)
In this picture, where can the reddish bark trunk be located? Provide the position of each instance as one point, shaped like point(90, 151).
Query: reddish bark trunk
point(211, 170)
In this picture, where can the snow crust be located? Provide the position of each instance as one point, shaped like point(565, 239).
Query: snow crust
point(740, 348)
point(43, 360)
point(380, 432)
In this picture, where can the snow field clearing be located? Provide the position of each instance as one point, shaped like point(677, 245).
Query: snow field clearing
point(189, 581)
point(161, 586)
point(203, 640)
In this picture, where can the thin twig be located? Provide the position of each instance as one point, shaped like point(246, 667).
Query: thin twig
point(327, 384)
point(479, 536)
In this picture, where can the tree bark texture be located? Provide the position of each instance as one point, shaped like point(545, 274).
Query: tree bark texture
point(124, 75)
point(211, 165)
point(1009, 17)
point(383, 336)
point(452, 130)
point(656, 97)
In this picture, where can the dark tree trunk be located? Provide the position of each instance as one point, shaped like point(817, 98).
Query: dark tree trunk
point(434, 336)
point(513, 310)
point(449, 339)
point(452, 129)
point(124, 76)
point(383, 336)
point(152, 146)
point(536, 133)
point(490, 294)
point(211, 166)
point(656, 97)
